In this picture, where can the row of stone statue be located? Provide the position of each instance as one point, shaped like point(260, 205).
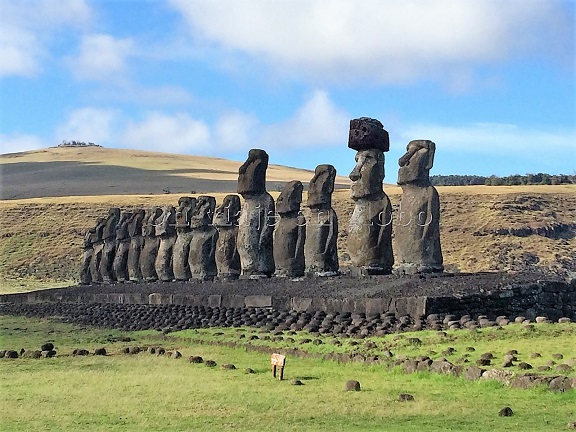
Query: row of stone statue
point(262, 238)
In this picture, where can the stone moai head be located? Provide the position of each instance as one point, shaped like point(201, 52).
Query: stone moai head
point(165, 223)
point(416, 163)
point(227, 214)
point(111, 223)
point(252, 174)
point(122, 231)
point(148, 224)
point(98, 230)
point(290, 198)
point(203, 212)
point(135, 224)
point(369, 138)
point(184, 211)
point(321, 186)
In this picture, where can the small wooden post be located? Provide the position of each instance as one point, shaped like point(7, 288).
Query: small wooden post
point(278, 361)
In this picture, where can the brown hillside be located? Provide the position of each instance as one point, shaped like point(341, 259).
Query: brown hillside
point(483, 229)
point(83, 171)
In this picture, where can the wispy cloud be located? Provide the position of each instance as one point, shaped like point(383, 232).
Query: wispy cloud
point(390, 42)
point(14, 143)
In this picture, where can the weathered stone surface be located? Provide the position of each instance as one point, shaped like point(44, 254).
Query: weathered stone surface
point(367, 133)
point(321, 246)
point(136, 244)
point(97, 246)
point(226, 222)
point(109, 238)
point(87, 256)
point(150, 246)
point(166, 232)
point(256, 223)
point(352, 385)
point(181, 249)
point(290, 232)
point(370, 227)
point(120, 264)
point(202, 259)
point(418, 226)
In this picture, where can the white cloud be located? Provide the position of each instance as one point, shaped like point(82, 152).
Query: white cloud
point(27, 28)
point(14, 143)
point(495, 138)
point(90, 124)
point(392, 41)
point(177, 133)
point(101, 57)
point(235, 131)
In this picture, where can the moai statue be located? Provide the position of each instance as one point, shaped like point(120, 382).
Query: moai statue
point(151, 245)
point(418, 227)
point(202, 259)
point(97, 247)
point(166, 232)
point(181, 249)
point(87, 255)
point(370, 229)
point(226, 222)
point(136, 244)
point(256, 223)
point(109, 237)
point(120, 264)
point(321, 248)
point(290, 232)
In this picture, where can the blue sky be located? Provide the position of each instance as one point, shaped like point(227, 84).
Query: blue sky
point(491, 82)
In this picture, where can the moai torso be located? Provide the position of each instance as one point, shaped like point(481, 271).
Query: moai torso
point(202, 259)
point(256, 223)
point(226, 222)
point(151, 245)
point(97, 248)
point(290, 232)
point(166, 231)
point(109, 237)
point(370, 227)
point(181, 249)
point(120, 263)
point(136, 244)
point(321, 247)
point(417, 235)
point(87, 255)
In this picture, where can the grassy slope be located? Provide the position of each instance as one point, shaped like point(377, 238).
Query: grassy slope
point(146, 392)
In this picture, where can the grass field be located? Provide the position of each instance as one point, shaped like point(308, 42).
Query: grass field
point(147, 392)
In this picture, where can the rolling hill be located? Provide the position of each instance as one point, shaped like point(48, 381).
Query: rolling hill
point(483, 228)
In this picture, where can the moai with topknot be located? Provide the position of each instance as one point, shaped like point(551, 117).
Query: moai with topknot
point(370, 227)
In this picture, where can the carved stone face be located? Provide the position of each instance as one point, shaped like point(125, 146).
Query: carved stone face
point(228, 212)
point(122, 231)
point(368, 174)
point(98, 229)
point(203, 211)
point(290, 198)
point(367, 133)
point(252, 174)
point(415, 164)
point(184, 211)
point(321, 186)
point(165, 223)
point(135, 224)
point(111, 223)
point(148, 225)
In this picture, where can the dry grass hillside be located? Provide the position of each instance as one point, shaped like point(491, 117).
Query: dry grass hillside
point(41, 238)
point(483, 228)
point(81, 171)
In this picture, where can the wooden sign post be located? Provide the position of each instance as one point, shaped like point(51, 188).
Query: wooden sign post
point(278, 362)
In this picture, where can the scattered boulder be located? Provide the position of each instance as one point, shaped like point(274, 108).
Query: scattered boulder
point(405, 397)
point(48, 346)
point(296, 382)
point(195, 359)
point(249, 371)
point(557, 356)
point(352, 385)
point(524, 366)
point(228, 366)
point(80, 352)
point(506, 412)
point(210, 363)
point(100, 351)
point(11, 354)
point(473, 373)
point(564, 368)
point(175, 354)
point(48, 354)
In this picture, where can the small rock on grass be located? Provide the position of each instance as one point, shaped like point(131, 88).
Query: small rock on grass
point(352, 385)
point(210, 363)
point(228, 366)
point(296, 382)
point(249, 371)
point(506, 412)
point(405, 397)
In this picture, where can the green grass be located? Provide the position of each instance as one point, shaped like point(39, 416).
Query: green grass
point(146, 392)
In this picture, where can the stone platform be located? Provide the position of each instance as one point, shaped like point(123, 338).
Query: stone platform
point(490, 294)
